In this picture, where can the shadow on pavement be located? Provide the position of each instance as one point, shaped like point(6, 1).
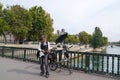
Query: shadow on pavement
point(18, 71)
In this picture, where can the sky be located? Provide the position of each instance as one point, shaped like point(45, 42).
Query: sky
point(79, 15)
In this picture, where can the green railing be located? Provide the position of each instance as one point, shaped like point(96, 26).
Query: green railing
point(25, 54)
point(96, 62)
point(88, 62)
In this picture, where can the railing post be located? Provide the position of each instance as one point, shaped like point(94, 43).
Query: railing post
point(24, 59)
point(78, 61)
point(102, 63)
point(97, 63)
point(118, 65)
point(82, 61)
point(107, 64)
point(3, 51)
point(87, 62)
point(12, 52)
point(112, 64)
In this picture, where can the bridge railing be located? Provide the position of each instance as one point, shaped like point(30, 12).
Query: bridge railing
point(88, 62)
point(96, 62)
point(25, 54)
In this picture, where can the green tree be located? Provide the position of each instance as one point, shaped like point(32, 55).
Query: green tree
point(41, 24)
point(71, 39)
point(1, 9)
point(54, 37)
point(90, 38)
point(4, 27)
point(97, 38)
point(84, 37)
point(105, 41)
point(19, 20)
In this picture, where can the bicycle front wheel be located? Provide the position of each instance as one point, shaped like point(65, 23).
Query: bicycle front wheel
point(53, 66)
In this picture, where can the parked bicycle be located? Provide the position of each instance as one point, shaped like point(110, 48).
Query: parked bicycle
point(53, 65)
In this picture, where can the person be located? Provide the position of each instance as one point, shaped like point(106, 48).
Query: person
point(43, 49)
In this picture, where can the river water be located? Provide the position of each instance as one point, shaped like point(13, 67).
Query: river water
point(114, 50)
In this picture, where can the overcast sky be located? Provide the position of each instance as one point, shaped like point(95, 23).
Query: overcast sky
point(80, 15)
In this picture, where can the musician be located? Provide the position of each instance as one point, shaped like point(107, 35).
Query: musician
point(43, 49)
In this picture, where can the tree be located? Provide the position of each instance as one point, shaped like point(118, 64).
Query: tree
point(26, 24)
point(71, 39)
point(84, 37)
point(1, 9)
point(97, 38)
point(90, 38)
point(41, 24)
point(4, 27)
point(104, 41)
point(19, 20)
point(54, 37)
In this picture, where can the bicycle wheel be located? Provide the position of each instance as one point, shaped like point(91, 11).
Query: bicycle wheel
point(53, 66)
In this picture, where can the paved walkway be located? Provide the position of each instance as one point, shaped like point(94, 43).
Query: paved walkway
point(18, 70)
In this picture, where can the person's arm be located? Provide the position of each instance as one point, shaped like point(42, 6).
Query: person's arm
point(39, 47)
point(48, 46)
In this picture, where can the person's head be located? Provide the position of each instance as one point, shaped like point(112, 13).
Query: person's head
point(63, 30)
point(43, 38)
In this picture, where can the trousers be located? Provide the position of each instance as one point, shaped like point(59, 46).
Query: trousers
point(44, 64)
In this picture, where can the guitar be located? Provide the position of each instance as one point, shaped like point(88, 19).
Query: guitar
point(41, 53)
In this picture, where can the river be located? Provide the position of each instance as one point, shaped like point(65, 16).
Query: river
point(114, 50)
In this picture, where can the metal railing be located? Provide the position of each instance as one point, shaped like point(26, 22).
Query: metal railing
point(88, 62)
point(25, 54)
point(96, 62)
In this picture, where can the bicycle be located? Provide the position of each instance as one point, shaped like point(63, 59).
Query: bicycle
point(53, 65)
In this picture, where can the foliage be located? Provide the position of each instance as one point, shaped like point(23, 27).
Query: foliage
point(71, 39)
point(105, 41)
point(19, 20)
point(26, 24)
point(97, 39)
point(54, 37)
point(90, 38)
point(41, 23)
point(4, 27)
point(84, 37)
